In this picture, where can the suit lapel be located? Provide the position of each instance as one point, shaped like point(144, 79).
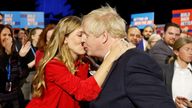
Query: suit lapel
point(170, 77)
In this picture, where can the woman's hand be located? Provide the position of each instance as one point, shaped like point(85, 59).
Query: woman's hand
point(182, 102)
point(25, 49)
point(120, 47)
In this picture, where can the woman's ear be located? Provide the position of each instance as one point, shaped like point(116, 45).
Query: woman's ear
point(66, 40)
point(176, 52)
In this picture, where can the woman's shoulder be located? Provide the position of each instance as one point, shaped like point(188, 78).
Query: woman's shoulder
point(55, 64)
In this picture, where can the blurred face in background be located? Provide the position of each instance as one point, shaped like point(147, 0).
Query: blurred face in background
point(134, 35)
point(35, 37)
point(147, 32)
point(171, 35)
point(21, 34)
point(1, 19)
point(153, 39)
point(49, 34)
point(4, 36)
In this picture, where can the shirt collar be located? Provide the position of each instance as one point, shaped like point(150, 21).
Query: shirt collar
point(178, 66)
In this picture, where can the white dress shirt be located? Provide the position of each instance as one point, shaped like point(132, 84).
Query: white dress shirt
point(182, 81)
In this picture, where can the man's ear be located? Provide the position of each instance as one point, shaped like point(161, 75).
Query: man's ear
point(105, 37)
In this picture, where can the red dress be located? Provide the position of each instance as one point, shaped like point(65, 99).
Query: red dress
point(64, 90)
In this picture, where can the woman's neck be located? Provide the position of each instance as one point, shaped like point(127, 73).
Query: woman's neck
point(182, 64)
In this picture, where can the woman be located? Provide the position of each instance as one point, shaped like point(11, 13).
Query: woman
point(27, 52)
point(60, 81)
point(43, 41)
point(12, 70)
point(152, 41)
point(178, 74)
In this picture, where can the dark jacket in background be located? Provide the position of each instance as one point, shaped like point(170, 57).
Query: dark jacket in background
point(161, 52)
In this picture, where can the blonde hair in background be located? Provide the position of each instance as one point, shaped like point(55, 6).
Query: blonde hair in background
point(178, 44)
point(105, 19)
point(56, 47)
point(152, 38)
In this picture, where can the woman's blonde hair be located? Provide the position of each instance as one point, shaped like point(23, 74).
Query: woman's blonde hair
point(153, 37)
point(56, 47)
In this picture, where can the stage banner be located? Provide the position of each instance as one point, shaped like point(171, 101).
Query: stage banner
point(32, 19)
point(22, 19)
point(142, 19)
point(183, 18)
point(11, 18)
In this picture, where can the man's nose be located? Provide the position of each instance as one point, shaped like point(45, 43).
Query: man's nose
point(83, 39)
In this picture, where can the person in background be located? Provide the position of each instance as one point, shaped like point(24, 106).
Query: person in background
point(43, 41)
point(184, 32)
point(135, 79)
point(134, 35)
point(162, 50)
point(60, 79)
point(147, 32)
point(178, 73)
point(27, 52)
point(22, 38)
point(1, 18)
point(153, 40)
point(13, 70)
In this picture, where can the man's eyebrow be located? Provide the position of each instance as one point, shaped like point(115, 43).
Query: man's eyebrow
point(84, 32)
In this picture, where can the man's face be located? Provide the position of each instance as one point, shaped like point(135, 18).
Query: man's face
point(1, 19)
point(134, 35)
point(91, 43)
point(147, 32)
point(171, 35)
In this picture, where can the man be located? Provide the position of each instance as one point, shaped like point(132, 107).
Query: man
point(147, 32)
point(134, 35)
point(1, 18)
point(162, 50)
point(135, 80)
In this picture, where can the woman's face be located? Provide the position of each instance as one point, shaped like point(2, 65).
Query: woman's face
point(36, 36)
point(185, 53)
point(74, 42)
point(49, 33)
point(5, 36)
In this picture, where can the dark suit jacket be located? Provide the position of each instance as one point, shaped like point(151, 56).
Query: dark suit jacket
point(168, 71)
point(161, 52)
point(135, 81)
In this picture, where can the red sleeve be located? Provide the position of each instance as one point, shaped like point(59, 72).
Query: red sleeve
point(82, 71)
point(38, 56)
point(57, 72)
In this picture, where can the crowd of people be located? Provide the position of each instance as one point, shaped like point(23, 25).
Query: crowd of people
point(51, 67)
